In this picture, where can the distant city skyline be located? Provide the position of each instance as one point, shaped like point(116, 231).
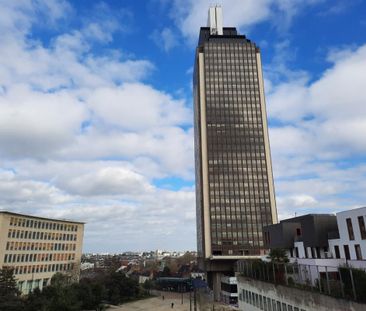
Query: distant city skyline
point(96, 119)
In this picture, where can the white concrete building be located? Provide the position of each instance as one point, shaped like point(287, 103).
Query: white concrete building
point(351, 242)
point(322, 240)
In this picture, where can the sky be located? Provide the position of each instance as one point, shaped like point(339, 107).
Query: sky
point(96, 111)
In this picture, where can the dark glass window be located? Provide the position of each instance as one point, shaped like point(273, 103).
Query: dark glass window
point(336, 251)
point(351, 234)
point(346, 252)
point(358, 252)
point(361, 224)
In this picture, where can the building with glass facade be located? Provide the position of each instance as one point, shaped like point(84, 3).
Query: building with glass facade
point(234, 182)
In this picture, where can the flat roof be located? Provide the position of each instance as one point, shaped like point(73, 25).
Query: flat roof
point(350, 210)
point(294, 219)
point(44, 218)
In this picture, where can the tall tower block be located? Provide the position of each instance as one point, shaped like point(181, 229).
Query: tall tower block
point(234, 181)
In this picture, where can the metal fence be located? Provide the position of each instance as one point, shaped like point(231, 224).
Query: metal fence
point(340, 282)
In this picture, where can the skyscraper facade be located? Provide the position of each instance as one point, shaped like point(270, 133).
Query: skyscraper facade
point(234, 181)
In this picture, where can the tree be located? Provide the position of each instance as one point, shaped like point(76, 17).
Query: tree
point(278, 255)
point(121, 288)
point(59, 296)
point(91, 293)
point(166, 272)
point(9, 294)
point(148, 285)
point(186, 259)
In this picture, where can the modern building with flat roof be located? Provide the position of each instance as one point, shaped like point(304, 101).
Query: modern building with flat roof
point(235, 195)
point(350, 242)
point(303, 236)
point(37, 248)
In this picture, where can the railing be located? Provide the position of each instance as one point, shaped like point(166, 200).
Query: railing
point(340, 282)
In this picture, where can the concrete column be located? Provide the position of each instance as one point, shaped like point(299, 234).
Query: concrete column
point(216, 282)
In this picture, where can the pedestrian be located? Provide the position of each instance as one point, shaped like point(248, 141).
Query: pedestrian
point(163, 297)
point(172, 305)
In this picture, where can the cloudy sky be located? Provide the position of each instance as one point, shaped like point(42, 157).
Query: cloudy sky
point(96, 111)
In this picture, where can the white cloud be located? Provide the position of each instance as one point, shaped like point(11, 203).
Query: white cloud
point(329, 113)
point(19, 192)
point(17, 17)
point(165, 39)
point(37, 124)
point(83, 137)
point(192, 14)
point(138, 106)
point(109, 181)
point(317, 136)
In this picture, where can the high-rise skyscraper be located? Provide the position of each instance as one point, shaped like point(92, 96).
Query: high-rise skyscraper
point(234, 182)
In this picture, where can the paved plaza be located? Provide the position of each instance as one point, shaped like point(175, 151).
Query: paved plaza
point(160, 304)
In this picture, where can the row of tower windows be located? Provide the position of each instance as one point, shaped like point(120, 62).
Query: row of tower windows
point(39, 257)
point(39, 235)
point(26, 246)
point(231, 216)
point(236, 126)
point(30, 223)
point(42, 268)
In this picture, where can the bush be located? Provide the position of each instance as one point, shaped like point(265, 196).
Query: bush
point(359, 278)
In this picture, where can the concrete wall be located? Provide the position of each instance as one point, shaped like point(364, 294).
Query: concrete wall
point(287, 298)
point(301, 249)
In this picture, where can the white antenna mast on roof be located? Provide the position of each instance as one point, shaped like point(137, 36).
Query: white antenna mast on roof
point(215, 20)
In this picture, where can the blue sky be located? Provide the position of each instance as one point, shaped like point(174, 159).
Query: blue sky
point(96, 111)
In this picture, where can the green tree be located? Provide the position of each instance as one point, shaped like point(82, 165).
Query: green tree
point(37, 301)
point(278, 255)
point(121, 288)
point(10, 299)
point(59, 296)
point(91, 293)
point(166, 272)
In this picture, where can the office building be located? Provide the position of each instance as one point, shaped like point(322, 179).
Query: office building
point(234, 183)
point(36, 248)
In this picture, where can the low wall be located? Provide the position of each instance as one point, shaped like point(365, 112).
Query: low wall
point(257, 295)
